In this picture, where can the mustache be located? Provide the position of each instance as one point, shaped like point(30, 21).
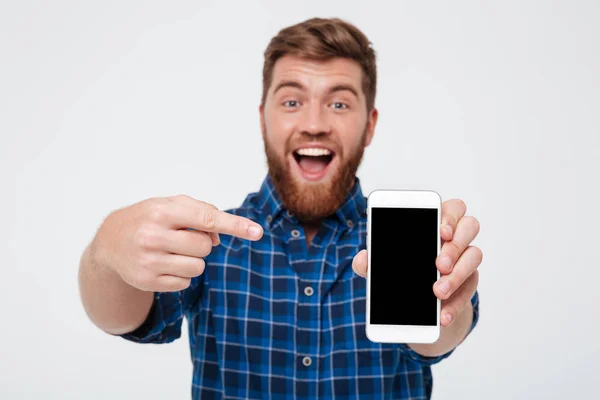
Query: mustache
point(293, 144)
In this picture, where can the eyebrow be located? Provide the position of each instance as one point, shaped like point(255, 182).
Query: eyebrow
point(298, 85)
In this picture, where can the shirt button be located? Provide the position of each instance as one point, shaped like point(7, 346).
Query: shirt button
point(269, 218)
point(349, 223)
point(295, 233)
point(307, 361)
point(308, 291)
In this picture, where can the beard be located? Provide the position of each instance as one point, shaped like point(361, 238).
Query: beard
point(311, 202)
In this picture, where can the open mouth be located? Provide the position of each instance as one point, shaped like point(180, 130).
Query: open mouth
point(313, 162)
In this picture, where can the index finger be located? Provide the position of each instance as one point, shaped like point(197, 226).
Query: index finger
point(213, 220)
point(206, 218)
point(190, 201)
point(452, 211)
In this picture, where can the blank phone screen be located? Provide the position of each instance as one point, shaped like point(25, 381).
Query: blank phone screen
point(403, 252)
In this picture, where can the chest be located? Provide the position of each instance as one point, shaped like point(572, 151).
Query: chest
point(289, 298)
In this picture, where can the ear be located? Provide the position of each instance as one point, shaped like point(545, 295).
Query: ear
point(372, 121)
point(261, 112)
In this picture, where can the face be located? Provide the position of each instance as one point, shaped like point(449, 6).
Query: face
point(315, 128)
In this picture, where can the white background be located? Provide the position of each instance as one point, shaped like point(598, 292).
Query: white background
point(103, 104)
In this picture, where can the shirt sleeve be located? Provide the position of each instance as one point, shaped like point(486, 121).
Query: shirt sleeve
point(165, 318)
point(426, 360)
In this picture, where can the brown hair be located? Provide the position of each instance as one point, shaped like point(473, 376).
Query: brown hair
point(323, 39)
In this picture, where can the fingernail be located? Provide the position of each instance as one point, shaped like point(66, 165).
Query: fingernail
point(445, 262)
point(254, 231)
point(449, 317)
point(448, 229)
point(444, 287)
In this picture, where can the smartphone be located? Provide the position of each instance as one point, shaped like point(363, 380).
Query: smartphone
point(403, 242)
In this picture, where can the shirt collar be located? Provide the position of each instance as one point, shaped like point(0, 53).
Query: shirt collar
point(268, 201)
point(354, 208)
point(349, 214)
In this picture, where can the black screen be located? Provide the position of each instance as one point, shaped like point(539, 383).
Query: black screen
point(403, 271)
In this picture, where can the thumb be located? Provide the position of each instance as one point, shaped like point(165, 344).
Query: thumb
point(359, 263)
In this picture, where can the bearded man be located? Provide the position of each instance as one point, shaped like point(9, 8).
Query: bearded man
point(273, 291)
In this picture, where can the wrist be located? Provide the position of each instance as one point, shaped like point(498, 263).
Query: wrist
point(98, 260)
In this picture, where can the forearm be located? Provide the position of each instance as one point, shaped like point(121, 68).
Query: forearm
point(450, 337)
point(113, 305)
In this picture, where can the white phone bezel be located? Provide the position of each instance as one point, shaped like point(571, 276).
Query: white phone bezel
point(401, 199)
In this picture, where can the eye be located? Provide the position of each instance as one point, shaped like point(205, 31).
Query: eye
point(291, 103)
point(340, 106)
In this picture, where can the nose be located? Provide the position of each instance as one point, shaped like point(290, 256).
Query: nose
point(314, 121)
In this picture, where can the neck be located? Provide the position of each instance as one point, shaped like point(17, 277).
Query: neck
point(310, 230)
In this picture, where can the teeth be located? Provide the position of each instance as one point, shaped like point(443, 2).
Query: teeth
point(315, 152)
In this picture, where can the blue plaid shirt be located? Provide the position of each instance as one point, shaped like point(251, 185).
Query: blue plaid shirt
point(279, 319)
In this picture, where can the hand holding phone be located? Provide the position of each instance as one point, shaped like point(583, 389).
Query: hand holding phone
point(458, 261)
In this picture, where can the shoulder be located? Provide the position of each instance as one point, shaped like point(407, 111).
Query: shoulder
point(248, 209)
point(245, 210)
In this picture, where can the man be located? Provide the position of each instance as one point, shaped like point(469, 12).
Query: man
point(273, 303)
